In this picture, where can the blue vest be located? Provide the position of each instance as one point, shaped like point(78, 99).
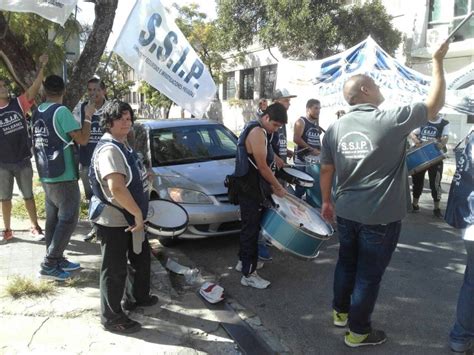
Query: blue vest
point(242, 163)
point(311, 135)
point(15, 143)
point(279, 143)
point(48, 146)
point(250, 183)
point(460, 208)
point(432, 131)
point(138, 184)
point(86, 151)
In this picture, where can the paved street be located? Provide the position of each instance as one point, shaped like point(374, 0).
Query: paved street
point(416, 304)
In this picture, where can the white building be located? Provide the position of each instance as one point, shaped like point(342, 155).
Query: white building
point(421, 21)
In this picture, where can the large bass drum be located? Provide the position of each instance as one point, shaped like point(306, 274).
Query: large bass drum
point(295, 227)
point(166, 218)
point(422, 157)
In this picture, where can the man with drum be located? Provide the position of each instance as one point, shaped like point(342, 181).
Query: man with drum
point(118, 207)
point(307, 138)
point(254, 169)
point(434, 131)
point(366, 150)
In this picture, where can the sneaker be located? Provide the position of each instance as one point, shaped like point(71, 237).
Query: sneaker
point(339, 319)
point(90, 236)
point(238, 267)
point(67, 265)
point(263, 252)
point(254, 280)
point(37, 234)
point(53, 273)
point(7, 235)
point(375, 337)
point(415, 208)
point(437, 213)
point(461, 347)
point(130, 306)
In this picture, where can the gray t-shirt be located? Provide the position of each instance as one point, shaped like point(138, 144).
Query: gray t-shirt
point(368, 149)
point(111, 160)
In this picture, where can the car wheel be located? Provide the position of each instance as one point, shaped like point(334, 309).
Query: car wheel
point(168, 241)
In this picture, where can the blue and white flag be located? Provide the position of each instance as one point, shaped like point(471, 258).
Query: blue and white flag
point(54, 10)
point(152, 44)
point(400, 85)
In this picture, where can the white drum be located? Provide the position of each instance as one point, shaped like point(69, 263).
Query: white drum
point(166, 218)
point(295, 176)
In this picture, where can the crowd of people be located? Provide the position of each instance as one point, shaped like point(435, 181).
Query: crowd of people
point(363, 151)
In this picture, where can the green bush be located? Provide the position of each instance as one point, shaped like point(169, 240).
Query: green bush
point(19, 210)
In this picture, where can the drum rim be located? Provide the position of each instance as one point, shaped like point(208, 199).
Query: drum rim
point(169, 229)
point(298, 226)
point(426, 165)
point(282, 248)
point(299, 178)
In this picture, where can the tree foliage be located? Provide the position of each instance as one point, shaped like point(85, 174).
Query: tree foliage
point(304, 29)
point(25, 37)
point(114, 73)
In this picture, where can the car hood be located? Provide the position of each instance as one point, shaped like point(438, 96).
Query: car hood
point(207, 177)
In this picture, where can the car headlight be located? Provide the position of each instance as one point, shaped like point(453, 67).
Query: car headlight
point(188, 196)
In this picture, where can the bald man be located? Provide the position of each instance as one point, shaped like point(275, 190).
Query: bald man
point(366, 150)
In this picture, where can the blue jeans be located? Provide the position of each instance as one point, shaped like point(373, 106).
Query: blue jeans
point(62, 213)
point(462, 333)
point(364, 253)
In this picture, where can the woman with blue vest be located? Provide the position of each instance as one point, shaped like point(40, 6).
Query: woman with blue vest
point(118, 207)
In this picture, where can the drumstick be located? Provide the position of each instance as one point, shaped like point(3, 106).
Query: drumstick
point(468, 16)
point(302, 149)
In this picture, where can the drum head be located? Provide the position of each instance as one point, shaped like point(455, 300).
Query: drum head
point(298, 174)
point(299, 213)
point(166, 216)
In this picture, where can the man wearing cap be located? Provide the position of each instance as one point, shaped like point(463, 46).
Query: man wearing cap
point(278, 139)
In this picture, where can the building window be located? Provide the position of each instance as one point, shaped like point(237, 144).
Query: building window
point(134, 97)
point(246, 84)
point(267, 80)
point(446, 15)
point(229, 86)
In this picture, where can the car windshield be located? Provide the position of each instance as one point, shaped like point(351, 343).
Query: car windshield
point(189, 144)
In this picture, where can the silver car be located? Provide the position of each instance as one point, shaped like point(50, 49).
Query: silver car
point(190, 159)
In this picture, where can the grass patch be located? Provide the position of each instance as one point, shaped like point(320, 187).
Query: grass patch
point(19, 210)
point(21, 286)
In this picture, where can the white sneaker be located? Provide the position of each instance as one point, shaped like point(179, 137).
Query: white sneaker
point(253, 280)
point(238, 267)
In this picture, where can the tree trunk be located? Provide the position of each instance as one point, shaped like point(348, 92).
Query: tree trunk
point(93, 49)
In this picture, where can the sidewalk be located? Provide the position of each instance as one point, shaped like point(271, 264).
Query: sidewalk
point(67, 322)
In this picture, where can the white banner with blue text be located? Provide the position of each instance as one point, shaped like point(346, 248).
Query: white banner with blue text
point(400, 85)
point(152, 44)
point(54, 10)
